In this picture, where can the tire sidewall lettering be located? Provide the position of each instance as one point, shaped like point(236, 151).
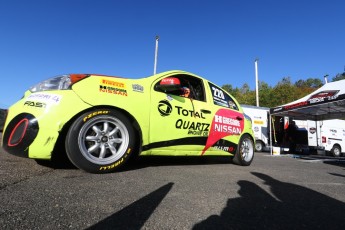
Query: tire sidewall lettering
point(74, 151)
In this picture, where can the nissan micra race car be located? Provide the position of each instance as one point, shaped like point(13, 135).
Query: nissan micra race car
point(102, 121)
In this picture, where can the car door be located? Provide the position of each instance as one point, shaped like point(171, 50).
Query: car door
point(227, 123)
point(178, 122)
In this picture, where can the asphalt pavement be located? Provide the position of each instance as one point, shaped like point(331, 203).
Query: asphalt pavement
point(275, 192)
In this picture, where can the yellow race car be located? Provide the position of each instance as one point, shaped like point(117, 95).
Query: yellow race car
point(102, 121)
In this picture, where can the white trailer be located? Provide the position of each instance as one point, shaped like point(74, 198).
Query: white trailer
point(259, 116)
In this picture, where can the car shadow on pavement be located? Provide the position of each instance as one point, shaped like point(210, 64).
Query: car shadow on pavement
point(154, 161)
point(289, 207)
point(135, 215)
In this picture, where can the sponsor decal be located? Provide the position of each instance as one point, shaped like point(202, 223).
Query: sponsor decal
point(194, 128)
point(225, 123)
point(117, 163)
point(138, 88)
point(189, 113)
point(258, 122)
point(323, 95)
point(312, 130)
point(35, 104)
point(221, 98)
point(164, 108)
point(333, 131)
point(95, 114)
point(115, 84)
point(218, 96)
point(47, 98)
point(296, 105)
point(112, 90)
point(326, 95)
point(229, 149)
point(277, 109)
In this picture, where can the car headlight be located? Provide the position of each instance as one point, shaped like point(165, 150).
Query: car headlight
point(58, 83)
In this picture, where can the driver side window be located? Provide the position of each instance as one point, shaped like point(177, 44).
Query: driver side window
point(183, 86)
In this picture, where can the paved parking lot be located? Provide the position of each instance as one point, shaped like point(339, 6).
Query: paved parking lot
point(275, 192)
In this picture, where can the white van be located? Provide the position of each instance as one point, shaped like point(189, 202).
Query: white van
point(333, 136)
point(327, 135)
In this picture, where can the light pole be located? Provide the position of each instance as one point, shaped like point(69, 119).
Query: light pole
point(325, 78)
point(156, 56)
point(257, 82)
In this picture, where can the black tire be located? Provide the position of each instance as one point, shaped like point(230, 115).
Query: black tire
point(336, 151)
point(259, 146)
point(245, 151)
point(100, 141)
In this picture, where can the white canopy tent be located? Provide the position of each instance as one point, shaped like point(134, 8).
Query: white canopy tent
point(327, 102)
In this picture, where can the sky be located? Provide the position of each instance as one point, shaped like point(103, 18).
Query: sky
point(216, 39)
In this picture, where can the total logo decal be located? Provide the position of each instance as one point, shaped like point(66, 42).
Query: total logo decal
point(164, 108)
point(192, 127)
point(225, 123)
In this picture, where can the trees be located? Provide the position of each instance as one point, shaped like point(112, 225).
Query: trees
point(284, 92)
point(339, 77)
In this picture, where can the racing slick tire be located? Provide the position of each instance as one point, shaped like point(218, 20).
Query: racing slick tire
point(100, 141)
point(336, 151)
point(245, 151)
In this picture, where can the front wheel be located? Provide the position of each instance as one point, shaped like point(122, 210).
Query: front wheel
point(245, 151)
point(100, 141)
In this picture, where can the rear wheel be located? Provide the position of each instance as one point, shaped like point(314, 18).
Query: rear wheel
point(245, 151)
point(100, 141)
point(336, 151)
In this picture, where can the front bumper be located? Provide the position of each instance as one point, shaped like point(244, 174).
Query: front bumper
point(32, 131)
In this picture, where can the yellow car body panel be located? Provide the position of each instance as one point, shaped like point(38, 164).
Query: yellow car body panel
point(212, 123)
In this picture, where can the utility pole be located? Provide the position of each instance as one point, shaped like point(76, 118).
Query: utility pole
point(257, 82)
point(156, 55)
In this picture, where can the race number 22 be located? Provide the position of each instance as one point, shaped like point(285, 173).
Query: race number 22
point(218, 93)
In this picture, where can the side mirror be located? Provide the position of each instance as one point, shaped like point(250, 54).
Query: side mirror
point(169, 84)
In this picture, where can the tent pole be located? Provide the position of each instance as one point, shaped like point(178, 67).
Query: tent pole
point(270, 124)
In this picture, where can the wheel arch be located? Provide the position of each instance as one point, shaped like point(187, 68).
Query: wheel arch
point(337, 145)
point(237, 159)
point(59, 151)
point(250, 135)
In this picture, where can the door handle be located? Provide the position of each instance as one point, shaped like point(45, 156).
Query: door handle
point(239, 118)
point(205, 111)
